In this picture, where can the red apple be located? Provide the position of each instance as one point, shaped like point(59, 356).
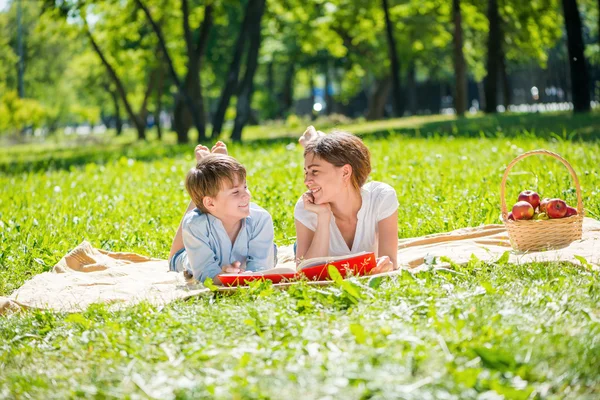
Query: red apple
point(510, 216)
point(522, 210)
point(531, 197)
point(571, 211)
point(543, 204)
point(556, 208)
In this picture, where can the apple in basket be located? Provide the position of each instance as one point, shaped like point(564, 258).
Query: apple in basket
point(531, 197)
point(540, 216)
point(571, 211)
point(522, 210)
point(543, 204)
point(556, 208)
point(510, 216)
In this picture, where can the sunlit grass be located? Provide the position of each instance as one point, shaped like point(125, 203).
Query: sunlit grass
point(515, 331)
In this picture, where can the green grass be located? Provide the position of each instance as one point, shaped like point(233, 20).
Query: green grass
point(516, 331)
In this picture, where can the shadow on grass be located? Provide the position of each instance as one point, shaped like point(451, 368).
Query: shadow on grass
point(579, 127)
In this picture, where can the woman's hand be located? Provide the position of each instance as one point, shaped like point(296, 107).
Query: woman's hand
point(384, 264)
point(309, 205)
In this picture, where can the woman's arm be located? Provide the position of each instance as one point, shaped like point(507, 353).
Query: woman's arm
point(311, 244)
point(388, 244)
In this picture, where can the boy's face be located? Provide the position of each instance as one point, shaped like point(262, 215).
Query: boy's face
point(232, 202)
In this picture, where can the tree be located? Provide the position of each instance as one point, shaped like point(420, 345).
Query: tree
point(579, 74)
point(246, 87)
point(394, 64)
point(460, 72)
point(189, 104)
point(493, 57)
point(232, 79)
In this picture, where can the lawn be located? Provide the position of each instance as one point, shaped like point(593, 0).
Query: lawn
point(486, 331)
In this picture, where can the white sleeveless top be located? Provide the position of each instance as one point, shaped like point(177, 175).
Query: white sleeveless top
point(379, 201)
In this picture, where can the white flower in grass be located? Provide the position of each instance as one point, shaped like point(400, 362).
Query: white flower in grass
point(57, 189)
point(130, 161)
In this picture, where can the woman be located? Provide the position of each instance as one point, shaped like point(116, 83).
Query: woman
point(341, 214)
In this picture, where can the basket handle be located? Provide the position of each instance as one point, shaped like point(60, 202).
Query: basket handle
point(538, 152)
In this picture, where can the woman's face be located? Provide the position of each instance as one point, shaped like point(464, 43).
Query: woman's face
point(323, 179)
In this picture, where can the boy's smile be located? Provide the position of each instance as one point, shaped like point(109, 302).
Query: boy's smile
point(232, 203)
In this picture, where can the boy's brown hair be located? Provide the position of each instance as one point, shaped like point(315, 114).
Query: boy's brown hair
point(210, 176)
point(341, 148)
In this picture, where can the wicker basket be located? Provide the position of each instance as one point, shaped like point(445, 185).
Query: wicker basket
point(536, 235)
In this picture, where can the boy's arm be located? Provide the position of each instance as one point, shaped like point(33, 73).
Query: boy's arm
point(201, 256)
point(261, 251)
point(178, 240)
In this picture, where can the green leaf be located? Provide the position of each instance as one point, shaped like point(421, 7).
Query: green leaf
point(583, 261)
point(496, 359)
point(503, 260)
point(375, 282)
point(359, 333)
point(208, 283)
point(488, 287)
point(334, 274)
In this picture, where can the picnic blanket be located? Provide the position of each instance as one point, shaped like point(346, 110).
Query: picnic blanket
point(87, 275)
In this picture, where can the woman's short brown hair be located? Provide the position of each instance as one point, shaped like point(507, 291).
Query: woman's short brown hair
point(210, 176)
point(341, 148)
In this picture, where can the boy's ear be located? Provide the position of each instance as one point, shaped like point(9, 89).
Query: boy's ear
point(208, 202)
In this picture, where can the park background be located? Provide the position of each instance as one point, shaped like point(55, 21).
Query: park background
point(102, 102)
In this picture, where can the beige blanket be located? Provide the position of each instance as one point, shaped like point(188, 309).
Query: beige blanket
point(88, 275)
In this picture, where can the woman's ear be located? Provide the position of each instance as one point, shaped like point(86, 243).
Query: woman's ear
point(347, 172)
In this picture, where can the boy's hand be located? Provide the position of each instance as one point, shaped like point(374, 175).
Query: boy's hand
point(233, 268)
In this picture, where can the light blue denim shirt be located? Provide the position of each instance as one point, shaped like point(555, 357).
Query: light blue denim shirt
point(208, 247)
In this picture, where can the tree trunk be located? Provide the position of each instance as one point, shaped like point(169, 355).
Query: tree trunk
point(271, 90)
point(394, 63)
point(247, 85)
point(493, 58)
point(118, 121)
point(576, 47)
point(460, 68)
point(139, 125)
point(329, 103)
point(287, 97)
point(158, 105)
point(411, 86)
point(481, 95)
point(506, 92)
point(378, 98)
point(232, 79)
point(194, 104)
point(313, 89)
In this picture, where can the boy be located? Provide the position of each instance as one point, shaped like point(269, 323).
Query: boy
point(224, 232)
